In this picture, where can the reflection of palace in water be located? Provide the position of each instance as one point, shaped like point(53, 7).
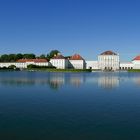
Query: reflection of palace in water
point(76, 80)
point(137, 80)
point(57, 80)
point(108, 81)
point(54, 80)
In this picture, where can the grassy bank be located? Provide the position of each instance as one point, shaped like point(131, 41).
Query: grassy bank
point(58, 70)
point(134, 70)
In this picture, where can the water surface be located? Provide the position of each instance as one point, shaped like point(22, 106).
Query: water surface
point(69, 106)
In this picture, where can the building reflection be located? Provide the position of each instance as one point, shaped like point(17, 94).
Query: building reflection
point(137, 80)
point(53, 80)
point(76, 80)
point(56, 80)
point(105, 80)
point(108, 81)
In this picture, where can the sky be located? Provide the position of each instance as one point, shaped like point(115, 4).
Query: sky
point(86, 27)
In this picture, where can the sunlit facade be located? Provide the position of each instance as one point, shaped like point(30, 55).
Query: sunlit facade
point(59, 61)
point(108, 61)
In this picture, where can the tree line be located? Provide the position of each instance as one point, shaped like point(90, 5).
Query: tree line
point(15, 57)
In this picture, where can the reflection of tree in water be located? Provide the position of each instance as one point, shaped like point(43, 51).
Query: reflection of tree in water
point(17, 82)
point(23, 81)
point(108, 81)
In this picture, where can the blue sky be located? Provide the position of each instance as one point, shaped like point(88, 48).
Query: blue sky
point(87, 27)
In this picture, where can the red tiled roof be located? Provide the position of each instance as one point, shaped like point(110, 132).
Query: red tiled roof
point(76, 57)
point(32, 60)
point(108, 53)
point(58, 57)
point(137, 58)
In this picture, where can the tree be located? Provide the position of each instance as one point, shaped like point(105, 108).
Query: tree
point(52, 53)
point(29, 56)
point(19, 56)
point(12, 58)
point(4, 58)
point(42, 56)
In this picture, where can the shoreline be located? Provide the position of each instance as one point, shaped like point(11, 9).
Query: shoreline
point(60, 70)
point(65, 70)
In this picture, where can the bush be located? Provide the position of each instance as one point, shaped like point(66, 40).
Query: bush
point(40, 67)
point(12, 67)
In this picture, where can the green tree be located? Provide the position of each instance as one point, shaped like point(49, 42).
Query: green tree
point(42, 56)
point(11, 57)
point(29, 56)
point(4, 58)
point(19, 56)
point(52, 53)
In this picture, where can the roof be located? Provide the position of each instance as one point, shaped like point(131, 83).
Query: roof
point(137, 58)
point(58, 57)
point(32, 60)
point(76, 57)
point(108, 53)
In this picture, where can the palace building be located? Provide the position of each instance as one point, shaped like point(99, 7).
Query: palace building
point(77, 62)
point(59, 61)
point(23, 63)
point(136, 62)
point(107, 60)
